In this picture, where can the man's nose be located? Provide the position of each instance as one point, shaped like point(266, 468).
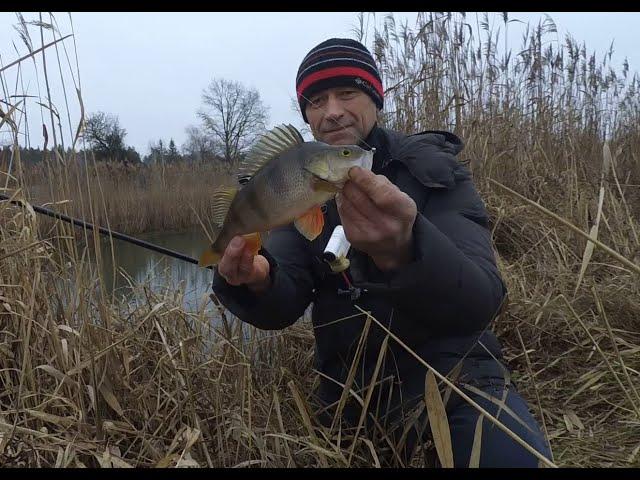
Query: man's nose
point(334, 108)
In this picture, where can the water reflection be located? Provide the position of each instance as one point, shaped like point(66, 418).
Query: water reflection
point(160, 272)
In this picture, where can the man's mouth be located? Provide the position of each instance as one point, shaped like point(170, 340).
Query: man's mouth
point(339, 129)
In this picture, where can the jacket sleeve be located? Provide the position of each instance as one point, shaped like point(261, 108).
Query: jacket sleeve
point(453, 278)
point(291, 284)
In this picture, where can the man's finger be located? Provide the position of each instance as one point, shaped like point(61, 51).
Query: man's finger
point(361, 201)
point(228, 268)
point(378, 188)
point(230, 261)
point(350, 216)
point(245, 265)
point(235, 247)
point(366, 179)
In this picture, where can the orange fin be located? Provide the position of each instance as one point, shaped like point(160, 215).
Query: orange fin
point(310, 224)
point(319, 184)
point(254, 242)
point(209, 257)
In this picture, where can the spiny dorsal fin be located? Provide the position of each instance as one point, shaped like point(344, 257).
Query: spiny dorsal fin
point(270, 145)
point(222, 198)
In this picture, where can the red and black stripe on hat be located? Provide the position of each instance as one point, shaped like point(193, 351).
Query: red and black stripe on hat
point(338, 62)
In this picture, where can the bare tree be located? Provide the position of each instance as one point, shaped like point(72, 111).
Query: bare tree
point(233, 115)
point(105, 136)
point(199, 145)
point(302, 126)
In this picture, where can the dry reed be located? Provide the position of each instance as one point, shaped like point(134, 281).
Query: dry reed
point(86, 382)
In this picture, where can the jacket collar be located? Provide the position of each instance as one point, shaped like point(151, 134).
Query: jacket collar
point(379, 140)
point(430, 156)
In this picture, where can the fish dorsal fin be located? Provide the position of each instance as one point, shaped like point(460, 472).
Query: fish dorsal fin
point(273, 143)
point(222, 198)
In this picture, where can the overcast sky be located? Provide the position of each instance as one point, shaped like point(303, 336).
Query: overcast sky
point(150, 68)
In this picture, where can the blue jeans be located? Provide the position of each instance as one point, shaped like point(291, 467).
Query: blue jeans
point(497, 448)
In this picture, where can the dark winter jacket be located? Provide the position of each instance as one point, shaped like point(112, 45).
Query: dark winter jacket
point(439, 305)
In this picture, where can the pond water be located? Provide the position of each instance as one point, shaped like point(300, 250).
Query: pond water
point(161, 272)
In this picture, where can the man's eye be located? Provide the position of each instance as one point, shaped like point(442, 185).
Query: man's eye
point(316, 102)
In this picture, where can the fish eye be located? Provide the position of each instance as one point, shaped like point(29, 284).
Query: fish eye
point(346, 152)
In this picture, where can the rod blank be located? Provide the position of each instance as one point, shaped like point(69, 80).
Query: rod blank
point(106, 231)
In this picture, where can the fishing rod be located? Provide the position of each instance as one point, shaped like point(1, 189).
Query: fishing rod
point(335, 260)
point(106, 231)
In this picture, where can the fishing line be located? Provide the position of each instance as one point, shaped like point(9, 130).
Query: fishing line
point(337, 121)
point(127, 238)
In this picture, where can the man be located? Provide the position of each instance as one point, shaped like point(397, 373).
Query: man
point(421, 262)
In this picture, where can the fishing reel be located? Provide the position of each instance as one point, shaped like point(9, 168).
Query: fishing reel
point(335, 253)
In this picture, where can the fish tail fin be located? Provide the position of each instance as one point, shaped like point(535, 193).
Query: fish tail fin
point(209, 257)
point(222, 198)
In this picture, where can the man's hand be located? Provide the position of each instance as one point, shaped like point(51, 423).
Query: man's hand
point(377, 218)
point(238, 266)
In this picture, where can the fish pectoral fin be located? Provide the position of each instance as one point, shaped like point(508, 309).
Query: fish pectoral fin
point(310, 224)
point(209, 257)
point(319, 184)
point(254, 242)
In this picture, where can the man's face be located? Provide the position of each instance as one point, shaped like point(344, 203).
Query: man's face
point(341, 115)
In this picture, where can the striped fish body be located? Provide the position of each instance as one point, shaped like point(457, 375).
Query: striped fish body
point(278, 194)
point(289, 180)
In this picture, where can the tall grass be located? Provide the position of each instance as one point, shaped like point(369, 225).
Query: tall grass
point(89, 382)
point(561, 127)
point(134, 197)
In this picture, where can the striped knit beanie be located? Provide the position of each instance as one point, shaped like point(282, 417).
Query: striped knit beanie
point(338, 62)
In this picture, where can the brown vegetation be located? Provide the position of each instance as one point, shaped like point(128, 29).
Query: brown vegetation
point(133, 198)
point(88, 382)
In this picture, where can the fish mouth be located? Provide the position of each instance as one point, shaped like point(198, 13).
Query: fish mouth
point(323, 184)
point(318, 178)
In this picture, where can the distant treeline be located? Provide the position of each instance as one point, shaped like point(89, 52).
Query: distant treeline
point(129, 155)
